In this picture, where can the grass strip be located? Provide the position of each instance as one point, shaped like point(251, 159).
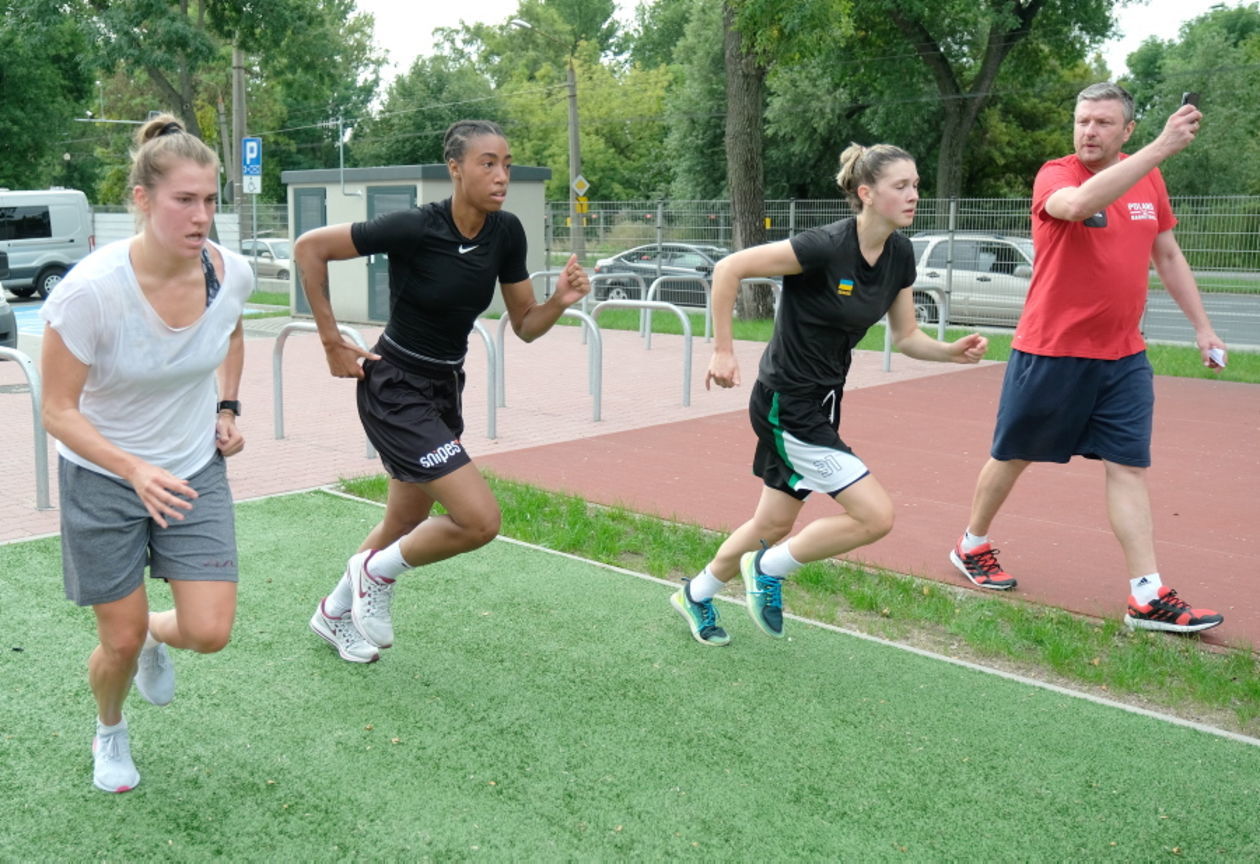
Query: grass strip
point(270, 298)
point(1173, 360)
point(542, 708)
point(1176, 673)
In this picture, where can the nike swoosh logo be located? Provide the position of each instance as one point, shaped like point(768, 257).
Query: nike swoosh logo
point(463, 248)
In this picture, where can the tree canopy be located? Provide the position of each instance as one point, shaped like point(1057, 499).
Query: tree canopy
point(980, 93)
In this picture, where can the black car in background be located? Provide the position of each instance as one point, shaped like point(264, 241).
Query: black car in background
point(685, 262)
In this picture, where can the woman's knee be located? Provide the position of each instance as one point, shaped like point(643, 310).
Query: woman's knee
point(878, 523)
point(207, 637)
point(123, 645)
point(482, 527)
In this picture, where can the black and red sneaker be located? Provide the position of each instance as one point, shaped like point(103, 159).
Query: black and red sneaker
point(980, 565)
point(1169, 612)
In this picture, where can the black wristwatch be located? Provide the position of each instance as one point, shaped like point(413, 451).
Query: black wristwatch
point(232, 405)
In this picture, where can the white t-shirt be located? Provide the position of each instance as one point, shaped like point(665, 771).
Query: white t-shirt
point(151, 388)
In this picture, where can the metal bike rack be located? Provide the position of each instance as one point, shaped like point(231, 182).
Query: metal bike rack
point(547, 275)
point(492, 375)
point(355, 337)
point(618, 277)
point(277, 368)
point(594, 358)
point(664, 307)
point(41, 437)
point(645, 320)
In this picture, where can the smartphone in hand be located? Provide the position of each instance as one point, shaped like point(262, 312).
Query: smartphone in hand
point(1190, 98)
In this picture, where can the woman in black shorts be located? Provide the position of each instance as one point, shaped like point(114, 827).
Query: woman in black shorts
point(839, 280)
point(444, 260)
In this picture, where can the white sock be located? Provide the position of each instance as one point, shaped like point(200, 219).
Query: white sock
point(705, 586)
point(150, 641)
point(102, 729)
point(1145, 588)
point(337, 603)
point(971, 541)
point(778, 561)
point(388, 563)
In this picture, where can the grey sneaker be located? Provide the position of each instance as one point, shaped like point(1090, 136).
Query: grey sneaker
point(344, 636)
point(701, 617)
point(155, 675)
point(763, 593)
point(112, 768)
point(370, 599)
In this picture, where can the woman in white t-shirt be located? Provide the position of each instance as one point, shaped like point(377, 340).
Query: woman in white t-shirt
point(134, 337)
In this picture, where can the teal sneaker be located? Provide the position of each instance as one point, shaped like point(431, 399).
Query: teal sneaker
point(701, 617)
point(764, 593)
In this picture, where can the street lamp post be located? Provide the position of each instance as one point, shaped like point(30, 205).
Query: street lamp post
point(575, 147)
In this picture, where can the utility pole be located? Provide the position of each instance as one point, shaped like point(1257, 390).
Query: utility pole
point(238, 122)
point(575, 146)
point(575, 167)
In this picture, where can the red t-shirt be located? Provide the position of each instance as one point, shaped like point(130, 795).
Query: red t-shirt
point(1090, 279)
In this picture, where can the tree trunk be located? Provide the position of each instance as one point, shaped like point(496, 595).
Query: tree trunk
point(962, 103)
point(745, 88)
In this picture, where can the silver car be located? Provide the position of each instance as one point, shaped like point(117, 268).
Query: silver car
point(269, 256)
point(989, 282)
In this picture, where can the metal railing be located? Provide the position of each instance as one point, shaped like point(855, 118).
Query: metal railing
point(618, 278)
point(645, 320)
point(664, 307)
point(492, 376)
point(277, 368)
point(42, 501)
point(594, 360)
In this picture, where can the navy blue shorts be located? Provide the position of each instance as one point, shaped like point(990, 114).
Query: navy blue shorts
point(1054, 408)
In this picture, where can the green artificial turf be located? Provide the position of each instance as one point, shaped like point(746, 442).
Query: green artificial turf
point(539, 707)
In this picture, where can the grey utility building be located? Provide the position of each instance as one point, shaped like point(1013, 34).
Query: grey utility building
point(360, 287)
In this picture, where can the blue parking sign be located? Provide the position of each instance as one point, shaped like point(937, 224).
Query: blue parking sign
point(251, 165)
point(251, 156)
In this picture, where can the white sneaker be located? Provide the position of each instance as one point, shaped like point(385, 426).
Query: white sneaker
point(155, 675)
point(112, 768)
point(370, 599)
point(342, 635)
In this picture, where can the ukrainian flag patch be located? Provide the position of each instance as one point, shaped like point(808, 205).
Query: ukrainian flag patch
point(845, 288)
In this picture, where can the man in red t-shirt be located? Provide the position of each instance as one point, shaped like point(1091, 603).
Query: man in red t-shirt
point(1078, 382)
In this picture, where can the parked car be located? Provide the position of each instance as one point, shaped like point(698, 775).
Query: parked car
point(8, 321)
point(991, 273)
point(687, 262)
point(269, 256)
point(44, 232)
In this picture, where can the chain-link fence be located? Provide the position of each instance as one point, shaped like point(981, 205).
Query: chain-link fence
point(974, 254)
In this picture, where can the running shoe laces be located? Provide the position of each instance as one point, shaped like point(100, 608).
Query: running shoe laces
point(771, 590)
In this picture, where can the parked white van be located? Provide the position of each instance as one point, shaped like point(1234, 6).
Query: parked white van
point(44, 233)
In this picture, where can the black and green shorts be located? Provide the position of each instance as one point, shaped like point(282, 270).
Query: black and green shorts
point(798, 442)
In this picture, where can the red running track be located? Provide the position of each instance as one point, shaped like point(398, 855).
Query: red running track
point(925, 440)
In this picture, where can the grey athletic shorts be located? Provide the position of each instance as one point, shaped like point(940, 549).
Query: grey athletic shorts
point(108, 538)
